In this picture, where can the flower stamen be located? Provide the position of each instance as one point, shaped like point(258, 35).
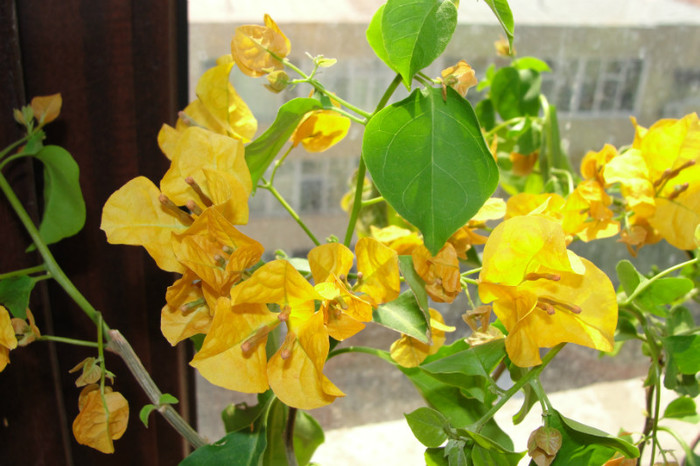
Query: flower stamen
point(206, 200)
point(170, 207)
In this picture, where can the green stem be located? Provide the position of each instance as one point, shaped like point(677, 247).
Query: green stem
point(11, 158)
point(23, 272)
point(70, 341)
point(642, 287)
point(567, 174)
point(471, 272)
point(119, 345)
point(278, 164)
point(686, 448)
point(525, 379)
point(542, 396)
point(502, 125)
point(362, 168)
point(374, 200)
point(51, 265)
point(289, 210)
point(9, 148)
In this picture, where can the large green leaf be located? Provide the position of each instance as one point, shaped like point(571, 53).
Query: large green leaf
point(14, 294)
point(64, 207)
point(240, 448)
point(429, 160)
point(375, 38)
point(404, 315)
point(502, 11)
point(260, 153)
point(414, 34)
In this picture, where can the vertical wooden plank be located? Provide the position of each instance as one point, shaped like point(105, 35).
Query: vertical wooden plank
point(115, 64)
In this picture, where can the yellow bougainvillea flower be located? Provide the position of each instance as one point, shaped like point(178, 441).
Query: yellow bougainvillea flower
point(586, 212)
point(409, 352)
point(542, 293)
point(187, 311)
point(233, 353)
point(660, 178)
point(460, 77)
point(26, 331)
point(320, 130)
point(96, 426)
point(46, 108)
point(547, 204)
point(379, 265)
point(8, 341)
point(253, 45)
point(295, 371)
point(134, 215)
point(218, 107)
point(401, 240)
point(493, 209)
point(593, 163)
point(637, 234)
point(523, 164)
point(209, 169)
point(216, 251)
point(440, 272)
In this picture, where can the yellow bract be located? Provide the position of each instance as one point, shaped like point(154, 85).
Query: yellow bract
point(96, 426)
point(46, 108)
point(233, 353)
point(460, 77)
point(399, 239)
point(543, 294)
point(320, 130)
point(8, 341)
point(252, 46)
point(133, 215)
point(187, 311)
point(379, 265)
point(440, 272)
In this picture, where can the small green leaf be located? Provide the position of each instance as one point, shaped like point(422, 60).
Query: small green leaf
point(167, 399)
point(435, 457)
point(241, 448)
point(145, 412)
point(415, 283)
point(308, 436)
point(429, 426)
point(516, 93)
point(429, 160)
point(486, 452)
point(456, 454)
point(502, 11)
point(242, 416)
point(531, 63)
point(628, 276)
point(14, 294)
point(260, 153)
point(685, 352)
point(682, 408)
point(275, 424)
point(665, 291)
point(415, 33)
point(64, 207)
point(405, 316)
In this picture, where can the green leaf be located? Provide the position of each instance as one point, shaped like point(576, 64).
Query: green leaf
point(375, 38)
point(516, 93)
point(260, 153)
point(242, 416)
point(486, 452)
point(14, 294)
point(435, 457)
point(685, 352)
point(680, 320)
point(145, 412)
point(584, 445)
point(308, 435)
point(168, 399)
point(531, 63)
point(241, 448)
point(429, 426)
point(429, 160)
point(405, 316)
point(665, 291)
point(64, 207)
point(682, 408)
point(502, 11)
point(628, 276)
point(415, 33)
point(275, 424)
point(416, 284)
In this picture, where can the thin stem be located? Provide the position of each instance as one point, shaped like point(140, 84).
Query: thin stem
point(502, 125)
point(51, 265)
point(70, 341)
point(640, 289)
point(471, 272)
point(525, 379)
point(567, 174)
point(687, 449)
point(119, 345)
point(9, 148)
point(362, 121)
point(374, 200)
point(278, 164)
point(23, 272)
point(471, 281)
point(289, 210)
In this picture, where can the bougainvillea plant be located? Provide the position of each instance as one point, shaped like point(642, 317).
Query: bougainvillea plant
point(434, 161)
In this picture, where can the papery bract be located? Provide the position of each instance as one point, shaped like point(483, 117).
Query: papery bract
point(379, 265)
point(134, 215)
point(8, 341)
point(320, 130)
point(252, 44)
point(96, 427)
point(46, 108)
point(187, 311)
point(440, 272)
point(233, 353)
